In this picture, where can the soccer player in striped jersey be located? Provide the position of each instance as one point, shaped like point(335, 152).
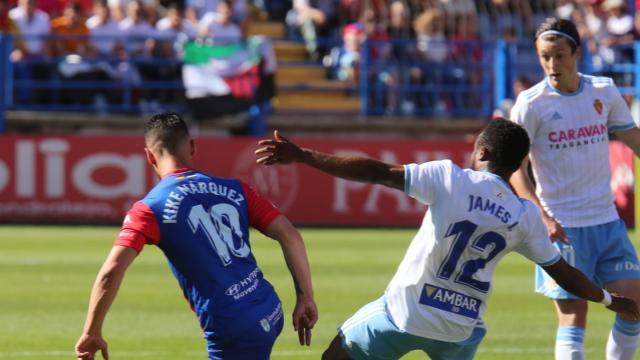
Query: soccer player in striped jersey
point(436, 299)
point(201, 224)
point(568, 116)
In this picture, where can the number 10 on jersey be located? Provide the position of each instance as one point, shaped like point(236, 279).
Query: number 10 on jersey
point(220, 224)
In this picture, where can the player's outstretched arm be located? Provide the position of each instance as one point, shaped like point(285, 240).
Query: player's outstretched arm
point(103, 293)
point(525, 188)
point(305, 314)
point(631, 138)
point(282, 151)
point(574, 281)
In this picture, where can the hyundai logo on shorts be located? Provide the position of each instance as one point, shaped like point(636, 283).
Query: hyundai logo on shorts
point(233, 289)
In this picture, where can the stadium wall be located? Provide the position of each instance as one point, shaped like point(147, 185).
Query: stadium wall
point(95, 179)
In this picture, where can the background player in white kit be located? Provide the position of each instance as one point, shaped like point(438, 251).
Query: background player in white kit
point(435, 301)
point(567, 117)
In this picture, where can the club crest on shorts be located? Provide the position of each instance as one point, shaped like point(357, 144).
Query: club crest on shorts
point(597, 104)
point(265, 325)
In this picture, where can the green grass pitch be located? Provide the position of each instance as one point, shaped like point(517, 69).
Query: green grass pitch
point(46, 274)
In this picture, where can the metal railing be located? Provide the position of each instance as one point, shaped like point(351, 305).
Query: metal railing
point(470, 84)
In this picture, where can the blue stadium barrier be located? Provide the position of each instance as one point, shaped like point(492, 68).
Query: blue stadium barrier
point(411, 84)
point(470, 85)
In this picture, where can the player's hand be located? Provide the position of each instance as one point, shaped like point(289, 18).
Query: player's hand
point(88, 345)
point(304, 316)
point(624, 306)
point(278, 151)
point(555, 230)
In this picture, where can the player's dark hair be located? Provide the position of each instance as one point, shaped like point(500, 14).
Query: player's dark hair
point(553, 29)
point(166, 130)
point(507, 143)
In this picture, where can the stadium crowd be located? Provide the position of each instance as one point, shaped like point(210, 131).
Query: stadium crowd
point(421, 54)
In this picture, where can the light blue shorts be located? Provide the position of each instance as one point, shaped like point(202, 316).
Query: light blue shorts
point(370, 334)
point(602, 252)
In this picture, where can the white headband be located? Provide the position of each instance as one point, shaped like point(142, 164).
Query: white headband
point(559, 33)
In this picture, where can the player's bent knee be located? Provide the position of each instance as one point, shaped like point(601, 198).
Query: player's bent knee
point(572, 312)
point(572, 307)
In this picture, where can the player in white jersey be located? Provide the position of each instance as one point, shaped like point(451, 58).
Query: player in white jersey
point(568, 116)
point(435, 301)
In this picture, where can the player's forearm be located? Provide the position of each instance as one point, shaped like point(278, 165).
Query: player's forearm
point(355, 168)
point(525, 188)
point(574, 281)
point(296, 258)
point(106, 287)
point(579, 285)
point(294, 253)
point(102, 295)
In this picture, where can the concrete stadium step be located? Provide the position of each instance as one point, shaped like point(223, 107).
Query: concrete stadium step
point(316, 100)
point(266, 28)
point(288, 73)
point(290, 51)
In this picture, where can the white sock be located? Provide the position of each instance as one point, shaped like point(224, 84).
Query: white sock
point(623, 340)
point(570, 343)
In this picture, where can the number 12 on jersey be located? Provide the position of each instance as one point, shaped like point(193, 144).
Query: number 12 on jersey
point(462, 232)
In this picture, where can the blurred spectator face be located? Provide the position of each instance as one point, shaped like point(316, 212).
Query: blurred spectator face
point(352, 38)
point(101, 11)
point(615, 8)
point(557, 59)
point(71, 13)
point(224, 12)
point(429, 22)
point(29, 6)
point(175, 17)
point(397, 14)
point(369, 20)
point(134, 11)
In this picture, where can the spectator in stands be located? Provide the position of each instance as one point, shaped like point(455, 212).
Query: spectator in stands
point(172, 32)
point(276, 9)
point(119, 9)
point(33, 26)
point(347, 60)
point(72, 45)
point(456, 10)
point(403, 51)
point(432, 51)
point(197, 9)
point(71, 32)
point(314, 20)
point(400, 30)
point(139, 34)
point(432, 43)
point(521, 84)
point(516, 14)
point(7, 26)
point(139, 45)
point(116, 9)
point(351, 11)
point(105, 33)
point(466, 53)
point(219, 25)
point(619, 30)
point(172, 26)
